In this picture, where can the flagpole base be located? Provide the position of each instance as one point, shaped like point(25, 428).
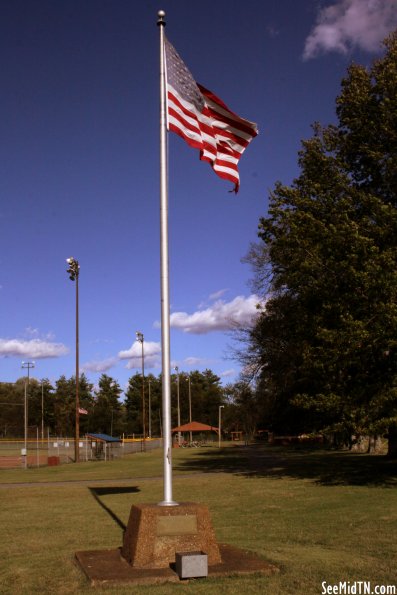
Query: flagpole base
point(168, 503)
point(155, 534)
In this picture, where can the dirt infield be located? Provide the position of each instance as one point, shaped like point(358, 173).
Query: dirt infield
point(11, 462)
point(16, 461)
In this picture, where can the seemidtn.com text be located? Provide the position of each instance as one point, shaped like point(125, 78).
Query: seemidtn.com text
point(357, 588)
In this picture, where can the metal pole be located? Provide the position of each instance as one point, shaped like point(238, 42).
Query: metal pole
point(219, 425)
point(141, 340)
point(26, 365)
point(150, 411)
point(165, 298)
point(178, 403)
point(73, 271)
point(190, 406)
point(77, 428)
point(42, 411)
point(26, 427)
point(143, 396)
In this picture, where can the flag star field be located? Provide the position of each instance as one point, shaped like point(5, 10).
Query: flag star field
point(79, 169)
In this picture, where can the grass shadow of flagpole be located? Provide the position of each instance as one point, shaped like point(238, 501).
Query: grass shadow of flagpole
point(106, 491)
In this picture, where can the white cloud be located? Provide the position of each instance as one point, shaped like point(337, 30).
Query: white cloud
point(220, 316)
point(32, 348)
point(100, 365)
point(152, 353)
point(351, 23)
point(228, 373)
point(212, 297)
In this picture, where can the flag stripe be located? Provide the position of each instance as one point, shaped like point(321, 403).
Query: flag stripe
point(203, 120)
point(229, 132)
point(220, 110)
point(226, 137)
point(180, 106)
point(180, 121)
point(188, 137)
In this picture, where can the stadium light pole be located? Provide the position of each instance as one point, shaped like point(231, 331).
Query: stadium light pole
point(141, 340)
point(27, 366)
point(113, 384)
point(219, 425)
point(178, 404)
point(42, 411)
point(150, 408)
point(190, 406)
point(73, 271)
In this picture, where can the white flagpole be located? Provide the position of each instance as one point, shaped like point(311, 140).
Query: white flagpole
point(165, 300)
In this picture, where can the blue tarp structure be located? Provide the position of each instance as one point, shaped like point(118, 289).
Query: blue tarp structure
point(104, 437)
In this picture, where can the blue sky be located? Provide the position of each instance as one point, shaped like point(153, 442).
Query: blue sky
point(79, 168)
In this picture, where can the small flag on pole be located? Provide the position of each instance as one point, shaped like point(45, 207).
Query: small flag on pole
point(83, 411)
point(203, 120)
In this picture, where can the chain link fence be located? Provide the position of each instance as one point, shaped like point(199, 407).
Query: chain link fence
point(55, 450)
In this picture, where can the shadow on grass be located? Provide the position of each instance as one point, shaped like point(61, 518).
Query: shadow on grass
point(322, 466)
point(106, 491)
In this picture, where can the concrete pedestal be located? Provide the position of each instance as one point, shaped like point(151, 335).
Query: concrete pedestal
point(156, 533)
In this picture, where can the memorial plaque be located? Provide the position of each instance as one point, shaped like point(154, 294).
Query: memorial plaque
point(177, 525)
point(155, 533)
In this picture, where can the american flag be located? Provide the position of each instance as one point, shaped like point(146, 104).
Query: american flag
point(203, 120)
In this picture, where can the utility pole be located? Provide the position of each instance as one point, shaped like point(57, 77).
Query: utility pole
point(73, 270)
point(27, 366)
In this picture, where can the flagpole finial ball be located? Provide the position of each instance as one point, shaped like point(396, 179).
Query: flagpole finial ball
point(161, 18)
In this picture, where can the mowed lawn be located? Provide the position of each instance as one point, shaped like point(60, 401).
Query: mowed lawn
point(321, 517)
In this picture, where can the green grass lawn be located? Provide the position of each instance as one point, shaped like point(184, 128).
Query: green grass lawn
point(319, 516)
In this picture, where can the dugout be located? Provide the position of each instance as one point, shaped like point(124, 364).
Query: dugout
point(103, 446)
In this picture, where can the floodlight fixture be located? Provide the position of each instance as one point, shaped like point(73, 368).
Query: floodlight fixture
point(73, 268)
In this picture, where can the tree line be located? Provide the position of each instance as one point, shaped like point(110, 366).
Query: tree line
point(52, 406)
point(323, 351)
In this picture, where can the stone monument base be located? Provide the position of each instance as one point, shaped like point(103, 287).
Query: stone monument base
point(156, 533)
point(153, 537)
point(109, 568)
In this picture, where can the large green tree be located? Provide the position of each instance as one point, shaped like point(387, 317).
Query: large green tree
point(40, 406)
point(206, 395)
point(325, 344)
point(12, 408)
point(65, 401)
point(106, 415)
point(243, 409)
point(134, 406)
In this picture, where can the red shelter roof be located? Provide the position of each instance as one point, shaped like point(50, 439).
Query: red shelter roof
point(195, 426)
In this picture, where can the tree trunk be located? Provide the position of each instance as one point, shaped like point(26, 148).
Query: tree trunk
point(392, 449)
point(372, 440)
